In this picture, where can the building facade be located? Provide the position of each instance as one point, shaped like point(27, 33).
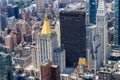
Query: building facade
point(46, 71)
point(102, 26)
point(3, 21)
point(46, 44)
point(55, 70)
point(10, 22)
point(94, 49)
point(13, 11)
point(41, 4)
point(23, 28)
point(59, 58)
point(9, 42)
point(93, 10)
point(73, 35)
point(116, 23)
point(5, 64)
point(23, 57)
point(34, 57)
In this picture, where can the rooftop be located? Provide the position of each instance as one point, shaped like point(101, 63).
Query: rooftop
point(58, 49)
point(55, 66)
point(76, 6)
point(4, 49)
point(3, 54)
point(68, 71)
point(117, 72)
point(21, 21)
point(88, 76)
point(101, 5)
point(26, 52)
point(29, 68)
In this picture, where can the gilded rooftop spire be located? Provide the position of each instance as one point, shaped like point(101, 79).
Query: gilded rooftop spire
point(46, 28)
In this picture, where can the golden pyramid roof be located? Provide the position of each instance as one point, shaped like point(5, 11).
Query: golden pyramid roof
point(46, 28)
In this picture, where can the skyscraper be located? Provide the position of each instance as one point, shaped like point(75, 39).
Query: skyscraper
point(39, 5)
point(116, 23)
point(10, 11)
point(3, 21)
point(47, 42)
point(73, 35)
point(55, 72)
point(94, 52)
point(101, 23)
point(0, 20)
point(92, 10)
point(5, 64)
point(63, 1)
point(9, 42)
point(16, 11)
point(42, 4)
point(59, 58)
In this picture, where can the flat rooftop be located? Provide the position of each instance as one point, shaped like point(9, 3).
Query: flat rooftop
point(24, 53)
point(68, 71)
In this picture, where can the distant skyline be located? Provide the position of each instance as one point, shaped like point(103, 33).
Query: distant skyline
point(59, 40)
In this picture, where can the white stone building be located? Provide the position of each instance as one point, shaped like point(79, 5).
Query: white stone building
point(94, 53)
point(102, 26)
point(47, 42)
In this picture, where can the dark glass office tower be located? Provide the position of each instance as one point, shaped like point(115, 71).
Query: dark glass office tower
point(5, 64)
point(116, 23)
point(73, 35)
point(10, 11)
point(16, 11)
point(93, 4)
point(13, 11)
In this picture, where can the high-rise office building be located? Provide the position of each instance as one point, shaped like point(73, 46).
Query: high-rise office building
point(94, 52)
point(16, 11)
point(92, 10)
point(0, 20)
point(35, 30)
point(5, 64)
point(59, 58)
point(3, 3)
point(23, 28)
point(57, 29)
point(10, 11)
point(34, 57)
point(41, 4)
point(47, 42)
point(116, 23)
point(9, 42)
point(73, 35)
point(27, 38)
point(63, 1)
point(46, 71)
point(50, 72)
point(14, 39)
point(55, 72)
point(13, 11)
point(101, 23)
point(10, 22)
point(3, 21)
